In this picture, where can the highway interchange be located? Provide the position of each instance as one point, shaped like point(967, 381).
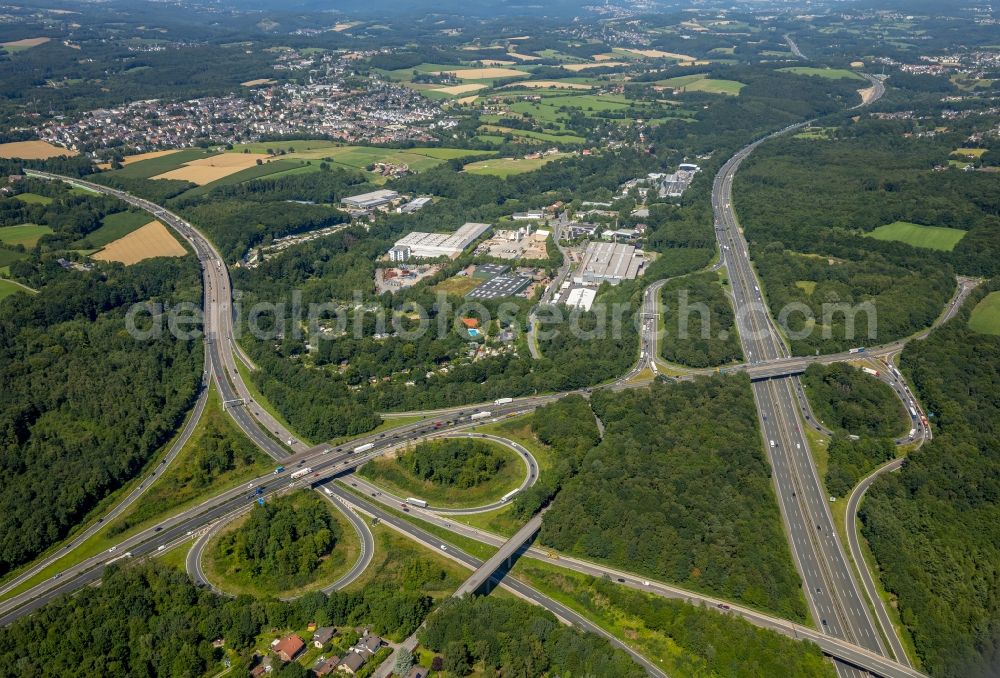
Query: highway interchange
point(847, 629)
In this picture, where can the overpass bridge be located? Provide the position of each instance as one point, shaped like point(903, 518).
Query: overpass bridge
point(504, 556)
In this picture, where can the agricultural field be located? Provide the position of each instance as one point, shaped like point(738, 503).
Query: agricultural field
point(504, 167)
point(23, 234)
point(700, 82)
point(8, 287)
point(985, 316)
point(33, 150)
point(21, 45)
point(360, 157)
point(492, 73)
point(152, 240)
point(928, 237)
point(253, 172)
point(684, 59)
point(206, 170)
point(497, 130)
point(33, 199)
point(829, 73)
point(576, 68)
point(554, 84)
point(258, 82)
point(973, 153)
point(455, 90)
point(113, 227)
point(166, 162)
point(8, 257)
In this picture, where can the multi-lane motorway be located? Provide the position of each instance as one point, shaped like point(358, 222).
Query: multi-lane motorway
point(834, 598)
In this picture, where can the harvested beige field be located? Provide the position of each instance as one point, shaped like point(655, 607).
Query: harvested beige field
point(152, 240)
point(460, 89)
point(259, 81)
point(603, 57)
point(343, 26)
point(496, 62)
point(207, 170)
point(524, 57)
point(485, 73)
point(553, 84)
point(658, 54)
point(25, 43)
point(857, 64)
point(466, 100)
point(601, 64)
point(33, 150)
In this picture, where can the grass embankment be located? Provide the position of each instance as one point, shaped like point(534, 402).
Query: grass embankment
point(470, 546)
point(682, 638)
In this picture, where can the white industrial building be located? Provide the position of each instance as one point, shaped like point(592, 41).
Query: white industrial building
point(368, 201)
point(413, 205)
point(581, 297)
point(432, 245)
point(609, 262)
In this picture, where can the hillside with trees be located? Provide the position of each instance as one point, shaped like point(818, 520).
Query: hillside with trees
point(487, 634)
point(934, 527)
point(679, 489)
point(85, 406)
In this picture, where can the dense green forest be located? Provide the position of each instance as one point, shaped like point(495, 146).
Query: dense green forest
point(698, 322)
point(680, 489)
point(845, 398)
point(567, 426)
point(85, 406)
point(848, 461)
point(282, 542)
point(855, 298)
point(487, 634)
point(934, 527)
point(150, 620)
point(816, 195)
point(453, 462)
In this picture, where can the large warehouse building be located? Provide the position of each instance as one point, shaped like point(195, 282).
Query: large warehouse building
point(609, 262)
point(432, 245)
point(367, 201)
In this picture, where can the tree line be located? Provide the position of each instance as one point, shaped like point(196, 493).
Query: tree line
point(933, 527)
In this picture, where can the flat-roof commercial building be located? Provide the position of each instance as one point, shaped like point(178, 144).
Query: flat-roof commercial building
point(581, 297)
point(506, 285)
point(413, 205)
point(368, 201)
point(432, 245)
point(608, 262)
